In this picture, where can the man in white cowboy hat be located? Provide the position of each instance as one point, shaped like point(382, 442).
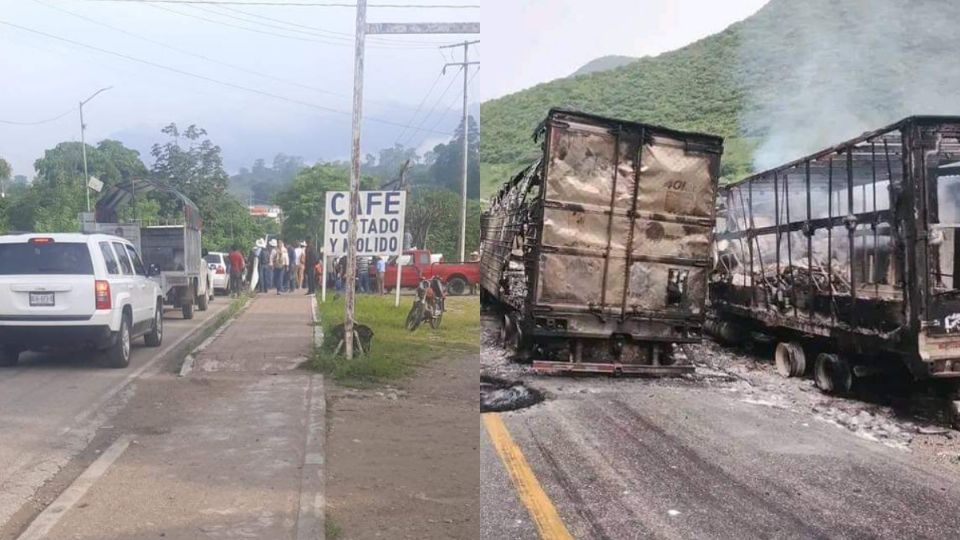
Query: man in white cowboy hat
point(256, 263)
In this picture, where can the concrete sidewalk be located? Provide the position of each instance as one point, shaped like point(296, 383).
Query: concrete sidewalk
point(234, 450)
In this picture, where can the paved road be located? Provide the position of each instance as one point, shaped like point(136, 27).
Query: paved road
point(232, 450)
point(52, 405)
point(701, 458)
point(637, 459)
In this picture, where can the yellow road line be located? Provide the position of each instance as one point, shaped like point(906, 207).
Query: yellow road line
point(541, 509)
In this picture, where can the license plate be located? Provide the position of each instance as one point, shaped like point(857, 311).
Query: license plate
point(41, 299)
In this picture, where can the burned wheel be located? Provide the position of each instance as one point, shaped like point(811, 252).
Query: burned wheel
point(789, 359)
point(516, 341)
point(833, 374)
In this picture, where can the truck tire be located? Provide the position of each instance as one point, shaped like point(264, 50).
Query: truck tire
point(457, 286)
point(154, 337)
point(203, 302)
point(9, 357)
point(187, 310)
point(789, 359)
point(833, 374)
point(118, 355)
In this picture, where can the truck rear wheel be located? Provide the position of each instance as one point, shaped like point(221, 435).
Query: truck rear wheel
point(457, 286)
point(203, 302)
point(790, 359)
point(833, 374)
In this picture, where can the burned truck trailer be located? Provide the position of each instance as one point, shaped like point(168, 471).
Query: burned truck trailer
point(849, 256)
point(597, 255)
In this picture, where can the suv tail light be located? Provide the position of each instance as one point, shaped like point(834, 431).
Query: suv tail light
point(102, 294)
point(221, 270)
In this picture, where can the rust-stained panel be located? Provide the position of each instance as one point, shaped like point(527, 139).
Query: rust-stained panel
point(592, 186)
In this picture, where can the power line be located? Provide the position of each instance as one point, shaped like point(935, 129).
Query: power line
point(344, 41)
point(38, 122)
point(299, 4)
point(419, 106)
point(197, 76)
point(447, 111)
point(314, 39)
point(344, 35)
point(191, 53)
point(432, 109)
point(231, 25)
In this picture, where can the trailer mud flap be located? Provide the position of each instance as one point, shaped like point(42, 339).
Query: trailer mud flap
point(544, 367)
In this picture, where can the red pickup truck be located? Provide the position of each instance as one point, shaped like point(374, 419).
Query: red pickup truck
point(459, 278)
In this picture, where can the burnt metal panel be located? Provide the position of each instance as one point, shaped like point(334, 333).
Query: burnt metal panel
point(618, 234)
point(610, 233)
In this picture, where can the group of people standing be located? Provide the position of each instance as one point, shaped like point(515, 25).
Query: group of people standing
point(286, 267)
point(370, 275)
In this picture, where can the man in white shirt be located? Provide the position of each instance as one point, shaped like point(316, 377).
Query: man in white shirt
point(299, 264)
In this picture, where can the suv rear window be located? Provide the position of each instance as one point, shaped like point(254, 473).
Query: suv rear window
point(57, 258)
point(213, 259)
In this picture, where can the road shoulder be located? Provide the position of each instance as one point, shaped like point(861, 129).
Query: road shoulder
point(403, 459)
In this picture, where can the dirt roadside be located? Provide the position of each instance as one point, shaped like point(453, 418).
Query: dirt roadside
point(402, 460)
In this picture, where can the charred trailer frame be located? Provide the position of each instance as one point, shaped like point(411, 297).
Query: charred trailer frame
point(852, 251)
point(598, 254)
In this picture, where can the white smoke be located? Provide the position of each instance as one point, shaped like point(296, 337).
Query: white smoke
point(818, 72)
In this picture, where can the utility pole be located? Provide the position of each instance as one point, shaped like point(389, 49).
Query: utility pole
point(465, 65)
point(362, 30)
point(83, 145)
point(351, 277)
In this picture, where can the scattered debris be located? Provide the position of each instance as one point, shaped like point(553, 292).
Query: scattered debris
point(499, 395)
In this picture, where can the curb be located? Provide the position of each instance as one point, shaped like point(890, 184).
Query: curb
point(317, 327)
point(188, 360)
point(311, 518)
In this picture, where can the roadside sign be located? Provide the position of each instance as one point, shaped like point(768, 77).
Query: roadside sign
point(95, 184)
point(379, 223)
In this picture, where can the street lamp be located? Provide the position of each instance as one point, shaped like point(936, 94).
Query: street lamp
point(83, 145)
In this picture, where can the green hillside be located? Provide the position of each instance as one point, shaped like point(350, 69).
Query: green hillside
point(604, 63)
point(797, 76)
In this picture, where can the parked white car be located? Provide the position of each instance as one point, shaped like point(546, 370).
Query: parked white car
point(75, 291)
point(219, 264)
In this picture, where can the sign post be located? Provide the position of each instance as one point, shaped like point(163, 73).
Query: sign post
point(396, 302)
point(323, 279)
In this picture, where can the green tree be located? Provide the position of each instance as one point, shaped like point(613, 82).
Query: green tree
point(304, 200)
point(447, 168)
point(260, 183)
point(5, 172)
point(5, 169)
point(193, 165)
point(433, 219)
point(57, 195)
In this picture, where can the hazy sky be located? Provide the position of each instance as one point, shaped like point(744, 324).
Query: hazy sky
point(532, 41)
point(43, 77)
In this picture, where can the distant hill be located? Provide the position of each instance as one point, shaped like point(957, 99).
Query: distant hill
point(796, 76)
point(603, 64)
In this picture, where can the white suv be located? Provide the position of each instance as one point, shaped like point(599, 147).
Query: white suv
point(75, 291)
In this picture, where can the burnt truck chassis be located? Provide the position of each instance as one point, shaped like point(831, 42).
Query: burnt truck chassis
point(619, 332)
point(849, 257)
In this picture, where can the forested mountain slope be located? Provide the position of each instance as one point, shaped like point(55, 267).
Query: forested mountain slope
point(796, 76)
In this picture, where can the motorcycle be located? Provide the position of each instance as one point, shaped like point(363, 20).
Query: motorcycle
point(427, 306)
